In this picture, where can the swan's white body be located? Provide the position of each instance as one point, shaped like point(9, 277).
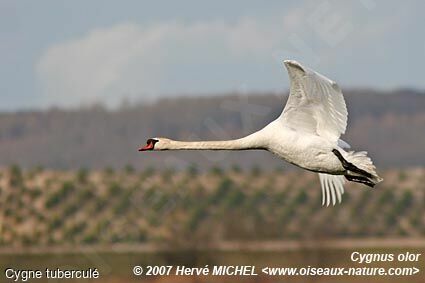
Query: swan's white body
point(306, 134)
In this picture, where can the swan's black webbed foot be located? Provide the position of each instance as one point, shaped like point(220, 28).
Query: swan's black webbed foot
point(359, 179)
point(350, 166)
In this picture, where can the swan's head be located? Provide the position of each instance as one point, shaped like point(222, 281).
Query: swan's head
point(155, 144)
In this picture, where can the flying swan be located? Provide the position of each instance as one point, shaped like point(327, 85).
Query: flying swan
point(306, 134)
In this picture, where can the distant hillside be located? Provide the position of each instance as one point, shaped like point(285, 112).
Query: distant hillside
point(71, 208)
point(391, 126)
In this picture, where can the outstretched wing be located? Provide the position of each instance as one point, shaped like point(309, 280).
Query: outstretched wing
point(315, 104)
point(332, 188)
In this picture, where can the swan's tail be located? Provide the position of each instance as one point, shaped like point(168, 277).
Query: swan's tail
point(360, 168)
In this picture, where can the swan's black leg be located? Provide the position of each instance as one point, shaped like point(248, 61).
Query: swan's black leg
point(360, 179)
point(350, 166)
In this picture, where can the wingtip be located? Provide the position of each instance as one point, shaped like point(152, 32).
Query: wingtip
point(293, 64)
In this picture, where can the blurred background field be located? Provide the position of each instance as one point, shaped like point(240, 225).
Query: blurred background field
point(115, 219)
point(193, 209)
point(74, 191)
point(117, 267)
point(84, 83)
point(388, 124)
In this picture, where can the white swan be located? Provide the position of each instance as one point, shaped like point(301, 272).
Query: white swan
point(306, 134)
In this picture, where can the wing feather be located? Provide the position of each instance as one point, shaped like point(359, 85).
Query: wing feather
point(332, 188)
point(315, 104)
point(322, 185)
point(328, 198)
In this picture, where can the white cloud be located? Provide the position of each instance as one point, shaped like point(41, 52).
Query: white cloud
point(130, 60)
point(133, 61)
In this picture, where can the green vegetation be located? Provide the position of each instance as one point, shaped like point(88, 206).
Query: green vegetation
point(15, 176)
point(60, 195)
point(103, 207)
point(82, 175)
point(192, 170)
point(129, 169)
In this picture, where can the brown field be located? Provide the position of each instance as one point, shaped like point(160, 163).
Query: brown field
point(117, 266)
point(113, 220)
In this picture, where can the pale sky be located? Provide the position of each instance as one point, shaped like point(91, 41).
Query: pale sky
point(71, 53)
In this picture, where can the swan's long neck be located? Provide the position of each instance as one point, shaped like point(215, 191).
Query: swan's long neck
point(253, 141)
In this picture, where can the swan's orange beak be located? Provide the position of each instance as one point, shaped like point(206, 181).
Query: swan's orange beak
point(150, 144)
